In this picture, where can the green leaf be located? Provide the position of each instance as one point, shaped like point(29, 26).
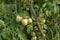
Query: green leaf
point(29, 29)
point(44, 5)
point(4, 35)
point(22, 36)
point(44, 26)
point(2, 24)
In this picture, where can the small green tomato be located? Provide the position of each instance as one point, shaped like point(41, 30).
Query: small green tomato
point(34, 38)
point(44, 35)
point(44, 21)
point(24, 22)
point(30, 20)
point(33, 34)
point(18, 18)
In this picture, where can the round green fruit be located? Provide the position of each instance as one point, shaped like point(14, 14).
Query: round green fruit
point(24, 22)
point(30, 20)
point(18, 18)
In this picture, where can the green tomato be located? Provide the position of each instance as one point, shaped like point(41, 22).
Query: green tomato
point(33, 34)
point(24, 22)
point(18, 18)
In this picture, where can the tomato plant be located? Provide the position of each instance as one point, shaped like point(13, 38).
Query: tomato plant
point(29, 19)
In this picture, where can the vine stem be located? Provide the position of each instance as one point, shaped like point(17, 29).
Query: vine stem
point(16, 6)
point(36, 15)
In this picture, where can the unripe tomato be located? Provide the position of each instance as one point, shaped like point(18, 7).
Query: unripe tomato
point(18, 18)
point(44, 21)
point(44, 35)
point(34, 38)
point(33, 34)
point(24, 22)
point(30, 20)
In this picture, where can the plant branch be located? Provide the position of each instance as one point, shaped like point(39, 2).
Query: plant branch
point(36, 18)
point(32, 9)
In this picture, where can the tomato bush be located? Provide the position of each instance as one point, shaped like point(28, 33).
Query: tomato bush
point(29, 19)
